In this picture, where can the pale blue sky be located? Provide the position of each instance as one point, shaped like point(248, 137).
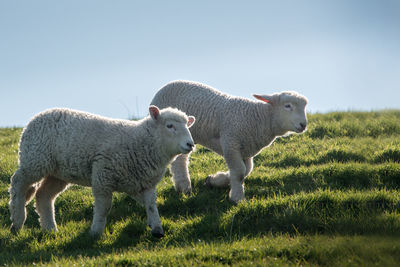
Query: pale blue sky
point(110, 57)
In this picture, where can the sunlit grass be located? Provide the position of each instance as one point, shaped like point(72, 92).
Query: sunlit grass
point(328, 197)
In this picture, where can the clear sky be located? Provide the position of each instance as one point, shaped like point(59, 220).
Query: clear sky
point(110, 57)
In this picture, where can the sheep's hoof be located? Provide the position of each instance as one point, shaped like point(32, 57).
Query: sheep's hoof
point(14, 230)
point(157, 232)
point(50, 230)
point(237, 201)
point(188, 192)
point(94, 234)
point(207, 182)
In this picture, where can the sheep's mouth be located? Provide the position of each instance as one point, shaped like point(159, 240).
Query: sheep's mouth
point(185, 150)
point(300, 129)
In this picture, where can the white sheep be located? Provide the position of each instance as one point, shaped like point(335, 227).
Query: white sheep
point(234, 127)
point(63, 146)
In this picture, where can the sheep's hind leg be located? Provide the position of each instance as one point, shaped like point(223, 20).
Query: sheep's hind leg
point(22, 190)
point(180, 174)
point(249, 166)
point(46, 194)
point(220, 179)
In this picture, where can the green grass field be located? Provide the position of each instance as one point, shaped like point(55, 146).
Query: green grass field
point(329, 197)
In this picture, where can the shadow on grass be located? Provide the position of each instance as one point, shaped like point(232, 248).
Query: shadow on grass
point(209, 216)
point(332, 156)
point(333, 176)
point(19, 253)
point(388, 155)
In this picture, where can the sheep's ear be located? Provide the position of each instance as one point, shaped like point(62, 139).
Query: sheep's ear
point(191, 121)
point(264, 98)
point(154, 112)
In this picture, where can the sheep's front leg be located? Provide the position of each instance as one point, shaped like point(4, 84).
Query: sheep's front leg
point(237, 172)
point(148, 199)
point(180, 174)
point(102, 205)
point(221, 179)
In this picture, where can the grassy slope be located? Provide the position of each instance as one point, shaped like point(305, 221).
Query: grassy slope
point(327, 197)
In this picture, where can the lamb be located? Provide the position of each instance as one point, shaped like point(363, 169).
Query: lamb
point(234, 127)
point(62, 146)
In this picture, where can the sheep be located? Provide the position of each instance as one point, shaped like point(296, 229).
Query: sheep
point(59, 147)
point(235, 127)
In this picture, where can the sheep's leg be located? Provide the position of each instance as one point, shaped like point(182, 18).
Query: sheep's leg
point(220, 179)
point(30, 193)
point(249, 166)
point(180, 174)
point(237, 172)
point(21, 191)
point(46, 194)
point(102, 205)
point(148, 199)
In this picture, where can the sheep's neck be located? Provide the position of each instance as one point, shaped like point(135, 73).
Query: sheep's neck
point(263, 130)
point(163, 155)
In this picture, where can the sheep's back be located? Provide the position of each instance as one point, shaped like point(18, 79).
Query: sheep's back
point(64, 142)
point(201, 101)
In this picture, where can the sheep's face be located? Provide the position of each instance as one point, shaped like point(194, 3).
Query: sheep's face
point(177, 135)
point(174, 130)
point(290, 109)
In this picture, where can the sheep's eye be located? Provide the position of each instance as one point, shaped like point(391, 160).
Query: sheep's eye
point(169, 126)
point(288, 106)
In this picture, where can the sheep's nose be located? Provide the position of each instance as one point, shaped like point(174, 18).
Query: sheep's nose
point(190, 145)
point(303, 125)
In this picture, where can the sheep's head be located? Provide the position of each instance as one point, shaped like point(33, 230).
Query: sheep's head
point(173, 126)
point(290, 110)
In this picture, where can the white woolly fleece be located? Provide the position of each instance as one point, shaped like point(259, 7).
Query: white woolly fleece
point(235, 127)
point(63, 146)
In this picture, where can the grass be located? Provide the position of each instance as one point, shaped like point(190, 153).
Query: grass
point(329, 197)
